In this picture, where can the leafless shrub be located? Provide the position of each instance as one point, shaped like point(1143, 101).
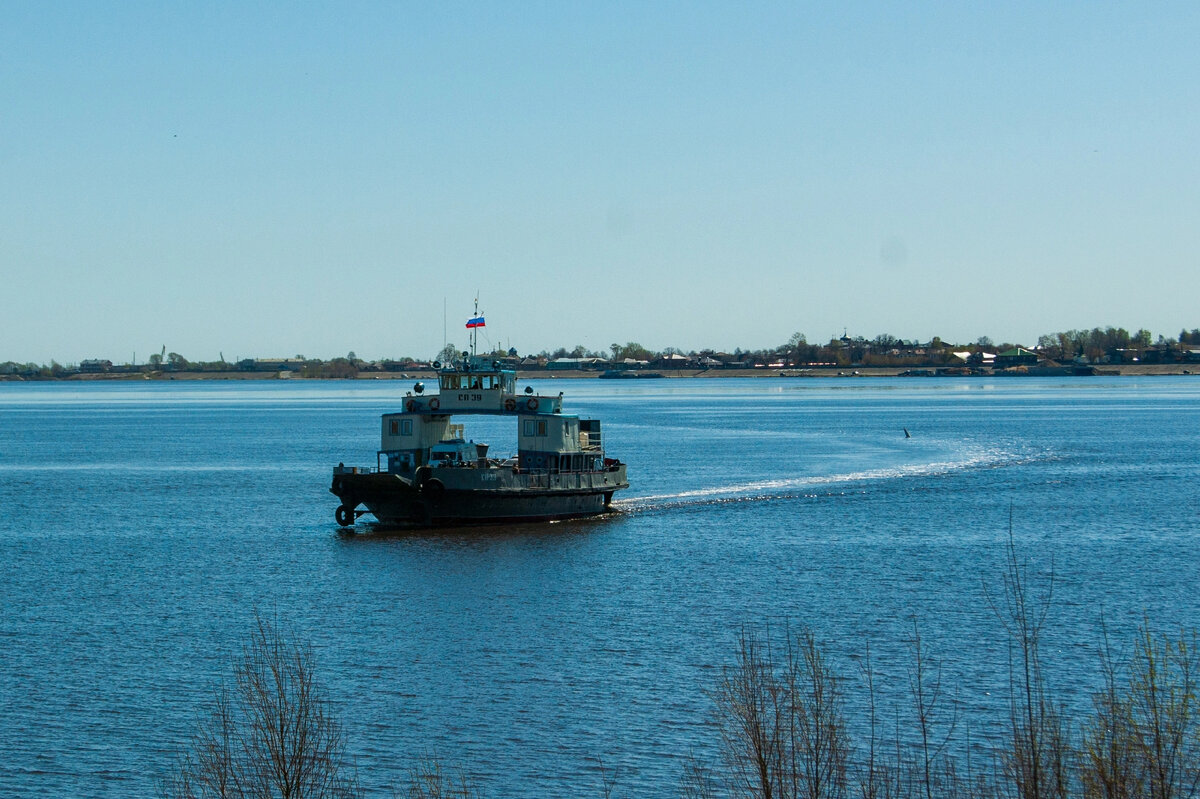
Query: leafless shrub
point(1110, 766)
point(271, 735)
point(1037, 757)
point(1143, 739)
point(1163, 705)
point(934, 773)
point(782, 722)
point(429, 780)
point(697, 781)
point(876, 777)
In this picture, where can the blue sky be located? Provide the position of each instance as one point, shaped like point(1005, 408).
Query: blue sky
point(305, 178)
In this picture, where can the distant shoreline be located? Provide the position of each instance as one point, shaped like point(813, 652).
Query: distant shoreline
point(1115, 370)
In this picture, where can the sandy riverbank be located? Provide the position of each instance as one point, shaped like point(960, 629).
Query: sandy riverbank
point(1126, 370)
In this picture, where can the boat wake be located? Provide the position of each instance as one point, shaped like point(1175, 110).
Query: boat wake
point(814, 485)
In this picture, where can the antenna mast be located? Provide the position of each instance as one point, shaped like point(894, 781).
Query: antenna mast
point(474, 327)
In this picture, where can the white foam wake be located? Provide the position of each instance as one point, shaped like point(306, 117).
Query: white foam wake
point(785, 486)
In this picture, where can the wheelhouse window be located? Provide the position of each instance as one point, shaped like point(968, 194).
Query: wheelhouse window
point(535, 427)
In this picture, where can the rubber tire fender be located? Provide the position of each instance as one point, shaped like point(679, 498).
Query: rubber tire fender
point(344, 515)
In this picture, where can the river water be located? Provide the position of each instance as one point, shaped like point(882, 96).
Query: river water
point(142, 525)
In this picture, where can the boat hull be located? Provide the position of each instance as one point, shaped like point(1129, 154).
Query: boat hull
point(446, 497)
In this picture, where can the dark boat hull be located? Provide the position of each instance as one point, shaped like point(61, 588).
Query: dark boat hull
point(469, 496)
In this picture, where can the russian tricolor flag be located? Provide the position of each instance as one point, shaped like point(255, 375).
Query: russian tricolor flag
point(475, 321)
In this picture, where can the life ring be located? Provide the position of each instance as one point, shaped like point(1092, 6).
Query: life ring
point(411, 405)
point(437, 364)
point(344, 516)
point(510, 404)
point(531, 403)
point(434, 404)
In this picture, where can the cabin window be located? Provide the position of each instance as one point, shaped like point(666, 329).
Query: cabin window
point(529, 427)
point(535, 427)
point(395, 426)
point(405, 427)
point(541, 427)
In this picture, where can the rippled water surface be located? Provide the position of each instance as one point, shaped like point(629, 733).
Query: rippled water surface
point(143, 524)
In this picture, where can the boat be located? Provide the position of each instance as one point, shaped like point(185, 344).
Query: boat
point(627, 374)
point(428, 474)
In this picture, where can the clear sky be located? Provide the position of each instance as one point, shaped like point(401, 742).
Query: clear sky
point(306, 178)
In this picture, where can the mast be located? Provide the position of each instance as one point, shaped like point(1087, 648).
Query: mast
point(473, 324)
point(475, 328)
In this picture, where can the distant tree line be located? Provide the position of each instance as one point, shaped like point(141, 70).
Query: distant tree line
point(1109, 343)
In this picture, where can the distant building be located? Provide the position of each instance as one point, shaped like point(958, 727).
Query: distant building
point(272, 364)
point(1159, 353)
point(673, 361)
point(576, 363)
point(979, 358)
point(1017, 356)
point(94, 366)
